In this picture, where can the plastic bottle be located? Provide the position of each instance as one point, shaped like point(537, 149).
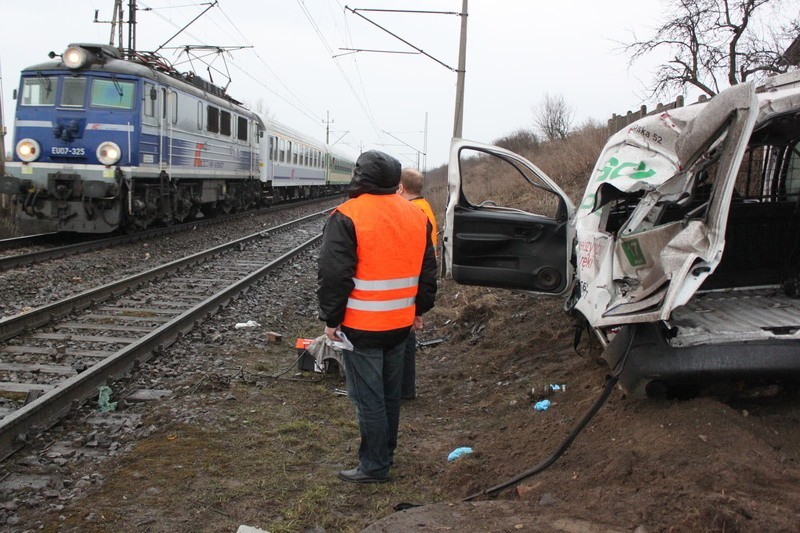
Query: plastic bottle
point(540, 391)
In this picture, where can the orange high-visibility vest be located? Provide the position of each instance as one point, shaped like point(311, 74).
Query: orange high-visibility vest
point(423, 204)
point(391, 240)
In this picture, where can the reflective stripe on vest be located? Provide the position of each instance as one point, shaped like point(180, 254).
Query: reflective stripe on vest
point(383, 305)
point(386, 284)
point(390, 245)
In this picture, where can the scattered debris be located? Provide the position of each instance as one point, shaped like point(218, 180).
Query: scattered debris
point(144, 395)
point(432, 342)
point(250, 529)
point(248, 324)
point(545, 390)
point(542, 405)
point(274, 337)
point(102, 399)
point(458, 452)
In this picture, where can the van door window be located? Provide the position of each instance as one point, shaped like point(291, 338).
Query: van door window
point(487, 180)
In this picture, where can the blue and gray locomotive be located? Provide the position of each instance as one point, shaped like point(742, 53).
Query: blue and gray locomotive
point(104, 142)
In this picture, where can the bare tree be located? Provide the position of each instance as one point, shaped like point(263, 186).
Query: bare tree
point(717, 43)
point(553, 117)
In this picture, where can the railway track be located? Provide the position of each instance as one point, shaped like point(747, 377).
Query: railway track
point(12, 243)
point(55, 357)
point(83, 245)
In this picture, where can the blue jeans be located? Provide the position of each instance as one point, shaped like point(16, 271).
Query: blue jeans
point(409, 388)
point(374, 377)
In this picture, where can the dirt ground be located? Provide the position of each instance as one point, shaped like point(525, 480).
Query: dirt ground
point(250, 449)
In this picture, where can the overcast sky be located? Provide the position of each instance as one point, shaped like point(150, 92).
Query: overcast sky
point(517, 51)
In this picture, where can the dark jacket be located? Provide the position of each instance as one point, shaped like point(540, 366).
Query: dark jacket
point(375, 173)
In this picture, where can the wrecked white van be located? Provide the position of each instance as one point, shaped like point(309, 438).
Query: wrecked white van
point(684, 251)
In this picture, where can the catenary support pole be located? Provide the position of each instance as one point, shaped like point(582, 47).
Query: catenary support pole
point(458, 122)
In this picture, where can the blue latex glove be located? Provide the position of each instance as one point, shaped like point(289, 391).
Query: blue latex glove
point(542, 406)
point(458, 452)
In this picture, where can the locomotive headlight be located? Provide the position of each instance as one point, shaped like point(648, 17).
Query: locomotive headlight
point(28, 150)
point(75, 57)
point(108, 153)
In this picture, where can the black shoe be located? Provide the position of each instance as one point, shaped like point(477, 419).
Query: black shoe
point(357, 476)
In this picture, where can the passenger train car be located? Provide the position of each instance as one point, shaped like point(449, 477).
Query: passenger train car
point(104, 142)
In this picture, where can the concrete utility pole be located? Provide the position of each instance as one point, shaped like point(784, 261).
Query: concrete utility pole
point(458, 121)
point(328, 123)
point(2, 133)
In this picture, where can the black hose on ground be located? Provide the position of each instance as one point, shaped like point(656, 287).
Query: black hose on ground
point(611, 381)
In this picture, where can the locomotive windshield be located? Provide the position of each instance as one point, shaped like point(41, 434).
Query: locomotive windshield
point(39, 91)
point(112, 93)
point(73, 92)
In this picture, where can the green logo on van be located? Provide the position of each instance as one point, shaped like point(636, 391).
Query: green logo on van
point(633, 251)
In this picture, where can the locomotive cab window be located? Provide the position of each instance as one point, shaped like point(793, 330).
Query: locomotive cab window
point(241, 128)
point(225, 123)
point(173, 106)
point(149, 103)
point(212, 119)
point(113, 94)
point(39, 91)
point(73, 92)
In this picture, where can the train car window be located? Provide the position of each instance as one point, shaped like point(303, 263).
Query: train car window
point(39, 91)
point(225, 123)
point(241, 128)
point(212, 119)
point(112, 93)
point(273, 148)
point(173, 105)
point(149, 103)
point(73, 92)
point(163, 103)
point(199, 116)
point(294, 154)
point(305, 155)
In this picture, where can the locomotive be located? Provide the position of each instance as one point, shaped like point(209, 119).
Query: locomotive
point(107, 141)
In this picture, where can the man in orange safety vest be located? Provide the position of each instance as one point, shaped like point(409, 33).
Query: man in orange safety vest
point(376, 277)
point(411, 182)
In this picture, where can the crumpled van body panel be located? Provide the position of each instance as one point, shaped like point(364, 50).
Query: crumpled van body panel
point(689, 224)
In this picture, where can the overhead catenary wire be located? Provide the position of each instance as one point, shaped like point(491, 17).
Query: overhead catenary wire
point(299, 105)
point(365, 107)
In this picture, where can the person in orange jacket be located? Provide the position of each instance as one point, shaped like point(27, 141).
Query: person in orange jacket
point(376, 278)
point(411, 183)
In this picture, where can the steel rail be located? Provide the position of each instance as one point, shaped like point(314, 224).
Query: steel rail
point(25, 240)
point(39, 256)
point(14, 325)
point(18, 427)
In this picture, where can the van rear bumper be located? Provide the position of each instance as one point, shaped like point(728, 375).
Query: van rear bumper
point(654, 366)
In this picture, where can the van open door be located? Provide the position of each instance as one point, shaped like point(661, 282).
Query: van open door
point(527, 243)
